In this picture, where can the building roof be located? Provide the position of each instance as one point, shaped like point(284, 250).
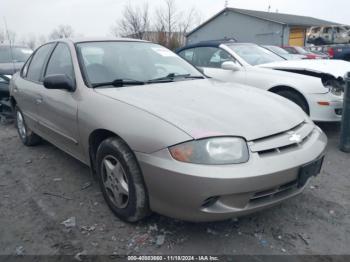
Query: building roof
point(280, 18)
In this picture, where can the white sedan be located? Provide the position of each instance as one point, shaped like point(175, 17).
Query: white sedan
point(318, 92)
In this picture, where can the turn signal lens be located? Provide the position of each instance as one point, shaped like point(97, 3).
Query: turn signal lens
point(323, 103)
point(182, 152)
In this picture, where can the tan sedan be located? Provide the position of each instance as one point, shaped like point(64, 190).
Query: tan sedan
point(159, 135)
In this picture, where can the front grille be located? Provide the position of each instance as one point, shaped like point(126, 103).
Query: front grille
point(283, 141)
point(270, 194)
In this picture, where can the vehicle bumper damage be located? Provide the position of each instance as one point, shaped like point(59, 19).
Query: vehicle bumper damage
point(326, 107)
point(277, 170)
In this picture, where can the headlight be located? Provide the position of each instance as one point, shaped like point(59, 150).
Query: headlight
point(336, 87)
point(336, 91)
point(212, 151)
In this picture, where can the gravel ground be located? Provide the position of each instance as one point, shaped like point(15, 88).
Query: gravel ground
point(41, 187)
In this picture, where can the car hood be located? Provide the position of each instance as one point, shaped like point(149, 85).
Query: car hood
point(336, 68)
point(204, 108)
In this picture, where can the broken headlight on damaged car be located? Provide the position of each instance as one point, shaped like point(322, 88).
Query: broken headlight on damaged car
point(335, 86)
point(212, 151)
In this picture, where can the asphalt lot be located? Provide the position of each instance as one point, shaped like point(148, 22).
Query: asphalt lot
point(41, 187)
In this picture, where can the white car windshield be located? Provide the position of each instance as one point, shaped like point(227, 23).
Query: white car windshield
point(277, 50)
point(301, 50)
point(105, 62)
point(254, 54)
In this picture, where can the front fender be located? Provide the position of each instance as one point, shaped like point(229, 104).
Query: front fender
point(142, 131)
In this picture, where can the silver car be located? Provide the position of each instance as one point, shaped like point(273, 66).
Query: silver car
point(159, 135)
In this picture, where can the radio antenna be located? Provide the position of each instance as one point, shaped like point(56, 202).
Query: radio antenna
point(10, 43)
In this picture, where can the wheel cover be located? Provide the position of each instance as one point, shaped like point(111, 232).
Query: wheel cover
point(20, 125)
point(115, 181)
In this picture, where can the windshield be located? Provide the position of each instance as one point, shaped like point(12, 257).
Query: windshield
point(17, 55)
point(106, 62)
point(254, 54)
point(301, 50)
point(277, 50)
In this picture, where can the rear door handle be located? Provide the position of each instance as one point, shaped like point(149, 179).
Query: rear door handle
point(15, 89)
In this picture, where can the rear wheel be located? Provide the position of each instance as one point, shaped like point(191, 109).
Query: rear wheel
point(28, 137)
point(296, 98)
point(121, 180)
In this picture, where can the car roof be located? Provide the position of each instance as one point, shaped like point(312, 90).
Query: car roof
point(214, 43)
point(96, 39)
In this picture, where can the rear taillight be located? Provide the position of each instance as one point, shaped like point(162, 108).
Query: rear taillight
point(331, 52)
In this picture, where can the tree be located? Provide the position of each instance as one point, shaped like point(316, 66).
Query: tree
point(189, 20)
point(2, 36)
point(62, 31)
point(31, 42)
point(41, 40)
point(169, 27)
point(167, 18)
point(7, 36)
point(134, 23)
point(175, 22)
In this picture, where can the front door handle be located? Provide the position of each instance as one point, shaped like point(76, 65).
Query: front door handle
point(39, 100)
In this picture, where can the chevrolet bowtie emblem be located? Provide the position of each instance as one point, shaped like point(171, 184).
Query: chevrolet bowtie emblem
point(295, 138)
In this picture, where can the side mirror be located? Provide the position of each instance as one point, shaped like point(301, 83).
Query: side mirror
point(61, 81)
point(229, 65)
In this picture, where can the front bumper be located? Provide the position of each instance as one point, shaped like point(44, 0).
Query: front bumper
point(325, 113)
point(209, 193)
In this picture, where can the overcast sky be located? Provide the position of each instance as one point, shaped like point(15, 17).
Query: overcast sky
point(95, 17)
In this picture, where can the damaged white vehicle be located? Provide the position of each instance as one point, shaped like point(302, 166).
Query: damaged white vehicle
point(316, 86)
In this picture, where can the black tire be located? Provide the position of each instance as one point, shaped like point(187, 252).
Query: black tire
point(27, 136)
point(296, 98)
point(137, 206)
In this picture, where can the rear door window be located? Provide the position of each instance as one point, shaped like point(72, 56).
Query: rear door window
point(187, 55)
point(37, 63)
point(212, 57)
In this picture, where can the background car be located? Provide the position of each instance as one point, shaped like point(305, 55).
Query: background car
point(12, 58)
point(336, 34)
point(162, 137)
point(284, 53)
point(5, 105)
point(298, 50)
point(250, 64)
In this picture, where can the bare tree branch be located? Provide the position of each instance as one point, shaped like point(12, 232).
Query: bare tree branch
point(62, 31)
point(134, 23)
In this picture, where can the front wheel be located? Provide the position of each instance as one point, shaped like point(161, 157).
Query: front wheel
point(27, 136)
point(121, 180)
point(296, 98)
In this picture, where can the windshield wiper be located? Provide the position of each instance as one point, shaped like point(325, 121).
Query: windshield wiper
point(120, 83)
point(172, 76)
